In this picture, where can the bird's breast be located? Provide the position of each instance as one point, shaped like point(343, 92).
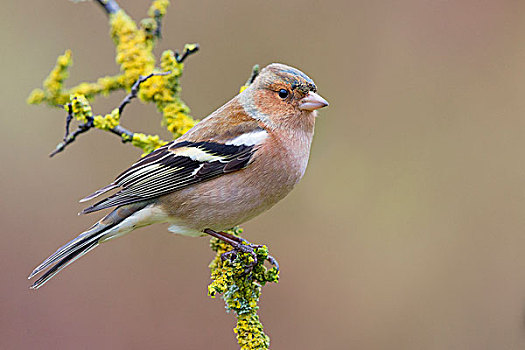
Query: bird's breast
point(234, 198)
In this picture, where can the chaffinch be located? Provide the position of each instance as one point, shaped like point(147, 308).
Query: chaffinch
point(232, 166)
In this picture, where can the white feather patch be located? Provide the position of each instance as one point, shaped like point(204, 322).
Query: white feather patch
point(249, 139)
point(144, 217)
point(197, 154)
point(183, 230)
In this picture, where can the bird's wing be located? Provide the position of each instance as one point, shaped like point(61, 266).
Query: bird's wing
point(180, 164)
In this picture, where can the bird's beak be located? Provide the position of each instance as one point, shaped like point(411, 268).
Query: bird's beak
point(312, 101)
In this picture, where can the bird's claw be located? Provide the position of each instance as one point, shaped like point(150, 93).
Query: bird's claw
point(244, 246)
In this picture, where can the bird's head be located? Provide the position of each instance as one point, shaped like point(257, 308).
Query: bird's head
point(282, 95)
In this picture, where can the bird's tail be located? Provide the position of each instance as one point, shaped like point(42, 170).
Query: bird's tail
point(113, 224)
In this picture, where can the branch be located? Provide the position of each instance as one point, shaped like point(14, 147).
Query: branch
point(240, 289)
point(135, 89)
point(69, 138)
point(84, 112)
point(157, 16)
point(188, 50)
point(255, 72)
point(253, 75)
point(125, 134)
point(110, 6)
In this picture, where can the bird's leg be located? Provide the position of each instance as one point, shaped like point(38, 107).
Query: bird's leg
point(239, 245)
point(236, 238)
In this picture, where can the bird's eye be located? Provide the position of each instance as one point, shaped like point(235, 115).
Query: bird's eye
point(283, 93)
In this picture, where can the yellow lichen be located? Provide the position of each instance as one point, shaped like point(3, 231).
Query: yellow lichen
point(80, 108)
point(133, 50)
point(36, 97)
point(103, 86)
point(250, 333)
point(109, 121)
point(54, 83)
point(158, 8)
point(148, 143)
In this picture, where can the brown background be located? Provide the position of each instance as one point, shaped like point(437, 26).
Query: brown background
point(407, 231)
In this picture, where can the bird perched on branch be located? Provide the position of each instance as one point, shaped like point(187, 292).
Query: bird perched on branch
point(232, 166)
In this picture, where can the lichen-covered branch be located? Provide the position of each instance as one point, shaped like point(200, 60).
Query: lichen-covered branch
point(239, 279)
point(80, 110)
point(134, 54)
point(241, 290)
point(255, 72)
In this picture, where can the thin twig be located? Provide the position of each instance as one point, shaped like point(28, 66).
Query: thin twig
point(69, 138)
point(186, 52)
point(69, 118)
point(135, 89)
point(110, 6)
point(158, 21)
point(119, 130)
point(255, 72)
point(82, 128)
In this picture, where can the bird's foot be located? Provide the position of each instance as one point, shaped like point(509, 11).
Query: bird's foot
point(240, 245)
point(246, 247)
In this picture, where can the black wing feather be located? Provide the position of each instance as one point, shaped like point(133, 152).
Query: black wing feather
point(163, 171)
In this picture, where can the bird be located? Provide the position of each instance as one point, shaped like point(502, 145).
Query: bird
point(230, 167)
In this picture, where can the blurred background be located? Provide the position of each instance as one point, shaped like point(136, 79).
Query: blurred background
point(407, 231)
